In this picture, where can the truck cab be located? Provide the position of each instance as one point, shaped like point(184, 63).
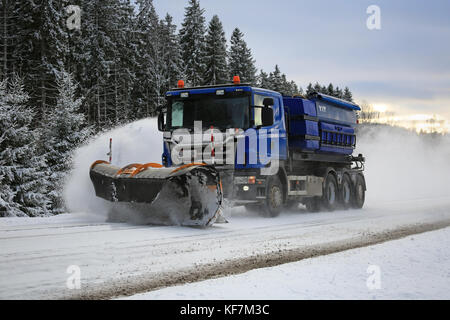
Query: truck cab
point(272, 151)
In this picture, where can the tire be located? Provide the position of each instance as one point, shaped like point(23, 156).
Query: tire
point(313, 204)
point(345, 192)
point(330, 197)
point(274, 203)
point(359, 193)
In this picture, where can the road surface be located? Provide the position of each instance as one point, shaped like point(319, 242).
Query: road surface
point(120, 259)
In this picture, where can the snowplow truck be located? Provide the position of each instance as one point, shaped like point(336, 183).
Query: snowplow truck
point(250, 146)
point(309, 142)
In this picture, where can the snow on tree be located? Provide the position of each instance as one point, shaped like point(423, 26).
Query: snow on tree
point(240, 59)
point(347, 95)
point(263, 80)
point(216, 54)
point(330, 90)
point(309, 89)
point(173, 58)
point(41, 49)
point(63, 132)
point(22, 177)
point(192, 41)
point(276, 80)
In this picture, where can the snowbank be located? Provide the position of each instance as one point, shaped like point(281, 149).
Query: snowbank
point(416, 267)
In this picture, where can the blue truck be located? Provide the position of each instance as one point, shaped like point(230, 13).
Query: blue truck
point(314, 138)
point(245, 145)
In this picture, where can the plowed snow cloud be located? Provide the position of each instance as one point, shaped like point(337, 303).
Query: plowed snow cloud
point(138, 142)
point(402, 165)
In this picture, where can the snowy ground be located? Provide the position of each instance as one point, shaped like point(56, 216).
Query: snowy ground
point(123, 259)
point(416, 267)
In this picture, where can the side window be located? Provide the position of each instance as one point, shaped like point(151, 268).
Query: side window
point(258, 102)
point(177, 114)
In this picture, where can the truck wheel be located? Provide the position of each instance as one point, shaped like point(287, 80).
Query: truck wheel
point(313, 204)
point(359, 193)
point(274, 197)
point(346, 192)
point(330, 193)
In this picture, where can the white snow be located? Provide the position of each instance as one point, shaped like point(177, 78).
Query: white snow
point(137, 142)
point(35, 253)
point(416, 267)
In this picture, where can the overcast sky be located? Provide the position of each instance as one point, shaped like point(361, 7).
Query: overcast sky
point(405, 65)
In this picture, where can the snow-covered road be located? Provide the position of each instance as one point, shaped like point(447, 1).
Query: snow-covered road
point(415, 267)
point(124, 259)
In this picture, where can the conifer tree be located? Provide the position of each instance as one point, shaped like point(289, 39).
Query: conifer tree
point(216, 54)
point(347, 95)
point(241, 62)
point(22, 177)
point(62, 134)
point(192, 41)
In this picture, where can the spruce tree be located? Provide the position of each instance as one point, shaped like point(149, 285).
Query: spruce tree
point(173, 58)
point(241, 62)
point(330, 90)
point(216, 54)
point(347, 95)
point(263, 80)
point(63, 132)
point(309, 89)
point(276, 80)
point(192, 41)
point(22, 176)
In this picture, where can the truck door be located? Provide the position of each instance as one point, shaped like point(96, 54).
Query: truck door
point(270, 139)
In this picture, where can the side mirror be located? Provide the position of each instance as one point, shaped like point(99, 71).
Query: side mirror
point(267, 102)
point(267, 116)
point(161, 124)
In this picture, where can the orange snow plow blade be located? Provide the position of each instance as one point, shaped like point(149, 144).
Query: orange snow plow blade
point(189, 195)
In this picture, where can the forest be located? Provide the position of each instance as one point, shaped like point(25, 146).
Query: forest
point(61, 83)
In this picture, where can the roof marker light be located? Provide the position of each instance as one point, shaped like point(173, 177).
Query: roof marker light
point(180, 84)
point(236, 80)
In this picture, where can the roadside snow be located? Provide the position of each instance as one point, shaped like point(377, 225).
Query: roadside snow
point(416, 267)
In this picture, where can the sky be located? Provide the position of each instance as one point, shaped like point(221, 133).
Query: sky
point(404, 67)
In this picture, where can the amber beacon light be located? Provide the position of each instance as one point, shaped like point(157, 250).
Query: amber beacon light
point(236, 80)
point(180, 84)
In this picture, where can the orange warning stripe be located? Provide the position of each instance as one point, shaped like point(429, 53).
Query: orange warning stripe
point(187, 166)
point(99, 162)
point(127, 169)
point(143, 167)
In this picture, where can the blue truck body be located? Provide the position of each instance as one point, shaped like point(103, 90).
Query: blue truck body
point(316, 138)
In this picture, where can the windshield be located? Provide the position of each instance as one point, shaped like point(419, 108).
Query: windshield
point(219, 112)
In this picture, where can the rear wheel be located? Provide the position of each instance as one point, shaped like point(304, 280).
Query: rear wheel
point(359, 193)
point(346, 192)
point(330, 193)
point(274, 197)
